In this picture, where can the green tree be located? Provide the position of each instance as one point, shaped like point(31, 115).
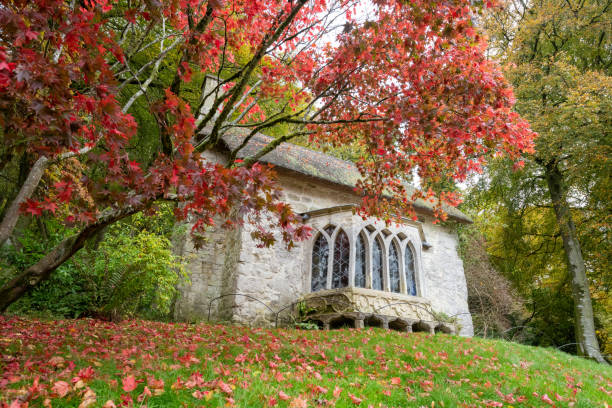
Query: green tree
point(558, 56)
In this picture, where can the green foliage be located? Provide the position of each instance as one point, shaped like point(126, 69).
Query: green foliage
point(136, 274)
point(128, 270)
point(306, 326)
point(557, 56)
point(67, 292)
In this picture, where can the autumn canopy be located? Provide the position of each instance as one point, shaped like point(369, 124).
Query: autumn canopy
point(84, 84)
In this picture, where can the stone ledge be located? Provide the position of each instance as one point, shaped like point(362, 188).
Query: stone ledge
point(360, 307)
point(369, 292)
point(359, 320)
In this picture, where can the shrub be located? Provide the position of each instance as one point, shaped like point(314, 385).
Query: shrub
point(492, 300)
point(129, 269)
point(67, 293)
point(136, 274)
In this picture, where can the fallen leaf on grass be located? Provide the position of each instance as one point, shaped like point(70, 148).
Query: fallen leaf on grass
point(298, 402)
point(129, 383)
point(547, 399)
point(61, 388)
point(89, 398)
point(355, 400)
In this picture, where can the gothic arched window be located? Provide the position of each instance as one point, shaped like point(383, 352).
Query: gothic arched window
point(377, 265)
point(320, 255)
point(340, 274)
point(394, 274)
point(360, 262)
point(409, 268)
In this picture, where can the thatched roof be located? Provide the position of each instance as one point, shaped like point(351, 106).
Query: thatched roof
point(316, 164)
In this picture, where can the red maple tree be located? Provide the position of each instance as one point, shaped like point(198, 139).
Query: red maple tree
point(408, 82)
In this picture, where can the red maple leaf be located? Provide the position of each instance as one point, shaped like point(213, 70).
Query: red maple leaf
point(61, 388)
point(129, 383)
point(355, 400)
point(32, 207)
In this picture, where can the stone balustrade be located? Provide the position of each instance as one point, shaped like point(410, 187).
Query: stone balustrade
point(359, 308)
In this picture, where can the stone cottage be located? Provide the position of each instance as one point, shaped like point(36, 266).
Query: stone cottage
point(351, 272)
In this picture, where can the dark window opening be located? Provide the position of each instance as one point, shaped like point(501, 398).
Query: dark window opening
point(394, 273)
point(410, 275)
point(320, 256)
point(442, 329)
point(360, 262)
point(398, 325)
point(373, 321)
point(377, 265)
point(340, 273)
point(342, 323)
point(420, 327)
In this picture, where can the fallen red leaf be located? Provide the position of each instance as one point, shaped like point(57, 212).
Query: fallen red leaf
point(61, 388)
point(129, 383)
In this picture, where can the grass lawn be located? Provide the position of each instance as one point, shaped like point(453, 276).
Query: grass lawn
point(83, 363)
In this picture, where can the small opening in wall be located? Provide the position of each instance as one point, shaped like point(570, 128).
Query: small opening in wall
point(342, 322)
point(420, 327)
point(373, 321)
point(370, 228)
point(398, 325)
point(442, 328)
point(402, 236)
point(386, 232)
point(317, 322)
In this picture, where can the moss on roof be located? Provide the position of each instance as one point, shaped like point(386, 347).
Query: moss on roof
point(316, 164)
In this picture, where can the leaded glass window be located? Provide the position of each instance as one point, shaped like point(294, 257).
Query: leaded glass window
point(409, 268)
point(320, 255)
point(340, 274)
point(360, 262)
point(377, 265)
point(394, 274)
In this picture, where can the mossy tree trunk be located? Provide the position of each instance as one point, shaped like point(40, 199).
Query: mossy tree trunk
point(586, 339)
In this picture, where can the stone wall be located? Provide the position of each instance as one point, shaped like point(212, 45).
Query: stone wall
point(444, 283)
point(211, 273)
point(277, 277)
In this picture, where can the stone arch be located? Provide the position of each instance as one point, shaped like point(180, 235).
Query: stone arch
point(373, 321)
point(341, 322)
point(443, 328)
point(421, 326)
point(399, 325)
point(340, 259)
point(329, 229)
point(319, 323)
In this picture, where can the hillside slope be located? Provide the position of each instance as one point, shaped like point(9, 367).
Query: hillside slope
point(81, 363)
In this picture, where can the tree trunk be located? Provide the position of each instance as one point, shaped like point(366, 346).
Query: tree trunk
point(11, 216)
point(41, 270)
point(583, 309)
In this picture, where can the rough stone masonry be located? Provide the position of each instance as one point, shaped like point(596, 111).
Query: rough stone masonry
point(419, 255)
